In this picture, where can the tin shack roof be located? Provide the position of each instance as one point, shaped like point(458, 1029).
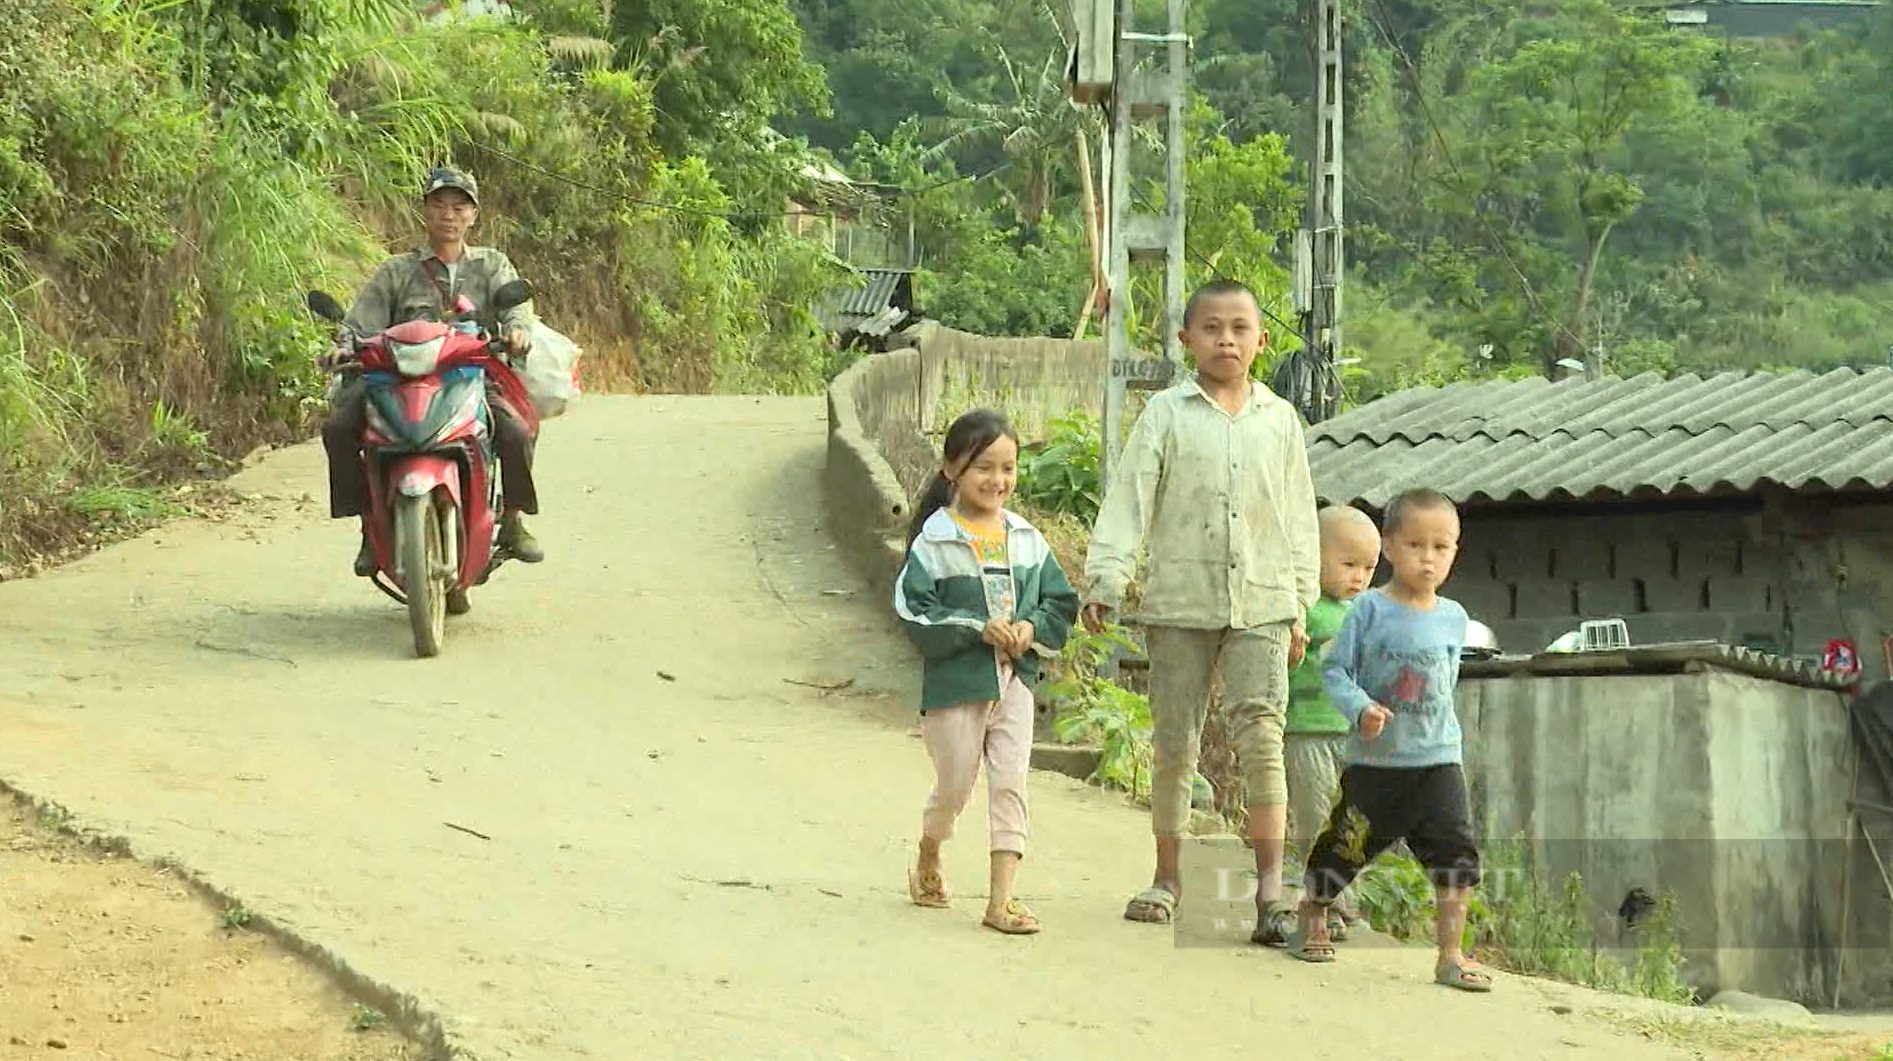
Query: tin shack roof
point(1645, 437)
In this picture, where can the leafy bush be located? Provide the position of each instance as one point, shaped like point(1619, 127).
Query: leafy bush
point(1061, 475)
point(1519, 922)
point(1095, 710)
point(174, 175)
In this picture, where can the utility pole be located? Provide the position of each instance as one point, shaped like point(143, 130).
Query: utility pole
point(1320, 262)
point(1104, 71)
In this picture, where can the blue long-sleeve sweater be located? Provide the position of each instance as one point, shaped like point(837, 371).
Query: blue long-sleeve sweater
point(1407, 661)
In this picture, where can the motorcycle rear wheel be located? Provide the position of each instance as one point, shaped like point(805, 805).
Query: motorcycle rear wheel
point(422, 554)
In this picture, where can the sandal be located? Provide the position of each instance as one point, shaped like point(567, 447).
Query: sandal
point(1016, 919)
point(1302, 945)
point(1275, 927)
point(1152, 906)
point(1466, 975)
point(927, 889)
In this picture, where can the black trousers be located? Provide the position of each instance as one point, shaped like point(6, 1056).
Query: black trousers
point(1379, 806)
point(348, 480)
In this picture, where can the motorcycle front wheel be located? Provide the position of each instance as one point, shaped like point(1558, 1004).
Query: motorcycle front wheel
point(421, 552)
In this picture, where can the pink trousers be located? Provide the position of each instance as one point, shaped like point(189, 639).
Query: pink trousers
point(959, 739)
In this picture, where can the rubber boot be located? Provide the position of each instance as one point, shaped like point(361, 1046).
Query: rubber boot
point(518, 540)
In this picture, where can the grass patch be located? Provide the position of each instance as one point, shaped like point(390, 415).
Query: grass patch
point(1714, 1035)
point(1522, 923)
point(117, 505)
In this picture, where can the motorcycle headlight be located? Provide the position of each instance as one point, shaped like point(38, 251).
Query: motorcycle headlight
point(416, 359)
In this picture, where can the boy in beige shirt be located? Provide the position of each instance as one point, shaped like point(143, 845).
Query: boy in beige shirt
point(1214, 481)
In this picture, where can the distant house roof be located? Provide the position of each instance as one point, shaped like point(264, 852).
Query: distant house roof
point(876, 308)
point(876, 295)
point(1536, 440)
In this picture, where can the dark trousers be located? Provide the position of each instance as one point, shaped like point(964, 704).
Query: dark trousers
point(348, 480)
point(1379, 806)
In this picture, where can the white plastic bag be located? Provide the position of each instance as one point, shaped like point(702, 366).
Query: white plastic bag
point(551, 371)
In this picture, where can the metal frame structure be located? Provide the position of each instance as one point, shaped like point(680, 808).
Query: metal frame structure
point(1321, 266)
point(1129, 96)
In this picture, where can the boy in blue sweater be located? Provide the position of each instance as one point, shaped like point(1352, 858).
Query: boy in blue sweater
point(1392, 673)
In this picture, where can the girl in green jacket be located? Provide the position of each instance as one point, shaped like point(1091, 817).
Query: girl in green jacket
point(983, 597)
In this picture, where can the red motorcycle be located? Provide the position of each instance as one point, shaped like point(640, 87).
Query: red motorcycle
point(433, 475)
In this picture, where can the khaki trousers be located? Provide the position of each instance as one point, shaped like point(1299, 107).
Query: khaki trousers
point(1183, 662)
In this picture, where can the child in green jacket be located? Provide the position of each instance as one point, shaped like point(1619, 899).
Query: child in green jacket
point(983, 597)
point(1315, 736)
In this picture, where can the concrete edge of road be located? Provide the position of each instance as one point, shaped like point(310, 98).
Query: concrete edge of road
point(863, 498)
point(404, 1012)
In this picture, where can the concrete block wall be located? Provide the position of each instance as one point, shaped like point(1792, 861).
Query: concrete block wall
point(1795, 575)
point(1670, 577)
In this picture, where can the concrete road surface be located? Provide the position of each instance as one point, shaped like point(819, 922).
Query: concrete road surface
point(687, 855)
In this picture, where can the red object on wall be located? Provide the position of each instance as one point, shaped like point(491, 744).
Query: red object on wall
point(1841, 657)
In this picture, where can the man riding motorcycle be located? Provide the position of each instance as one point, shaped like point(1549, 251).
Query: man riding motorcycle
point(424, 285)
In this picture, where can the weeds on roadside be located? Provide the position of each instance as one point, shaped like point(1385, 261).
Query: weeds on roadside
point(235, 918)
point(1095, 710)
point(1062, 474)
point(366, 1018)
point(1523, 924)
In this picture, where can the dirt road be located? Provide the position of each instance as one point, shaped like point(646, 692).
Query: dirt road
point(689, 856)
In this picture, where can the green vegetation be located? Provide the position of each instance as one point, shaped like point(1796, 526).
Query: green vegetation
point(1061, 475)
point(1097, 711)
point(174, 174)
point(366, 1018)
point(1527, 182)
point(1519, 921)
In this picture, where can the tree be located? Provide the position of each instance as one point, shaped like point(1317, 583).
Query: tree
point(1035, 129)
point(1546, 128)
point(718, 64)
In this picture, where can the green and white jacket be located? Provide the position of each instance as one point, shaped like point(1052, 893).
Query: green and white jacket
point(941, 602)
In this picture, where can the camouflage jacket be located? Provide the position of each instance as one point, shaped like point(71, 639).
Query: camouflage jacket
point(403, 290)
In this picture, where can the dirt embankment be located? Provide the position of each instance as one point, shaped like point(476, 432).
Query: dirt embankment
point(103, 957)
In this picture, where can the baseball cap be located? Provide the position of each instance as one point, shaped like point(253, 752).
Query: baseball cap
point(448, 177)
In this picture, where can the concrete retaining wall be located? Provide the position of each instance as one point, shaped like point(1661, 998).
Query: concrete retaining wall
point(1729, 790)
point(888, 413)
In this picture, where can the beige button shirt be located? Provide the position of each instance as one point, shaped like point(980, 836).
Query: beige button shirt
point(1225, 506)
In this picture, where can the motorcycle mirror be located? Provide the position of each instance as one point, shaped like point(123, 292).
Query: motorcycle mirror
point(512, 293)
point(323, 305)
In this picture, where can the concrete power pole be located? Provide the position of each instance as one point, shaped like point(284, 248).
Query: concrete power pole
point(1104, 71)
point(1321, 265)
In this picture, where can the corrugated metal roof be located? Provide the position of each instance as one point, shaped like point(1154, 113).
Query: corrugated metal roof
point(874, 296)
point(881, 324)
point(1535, 439)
